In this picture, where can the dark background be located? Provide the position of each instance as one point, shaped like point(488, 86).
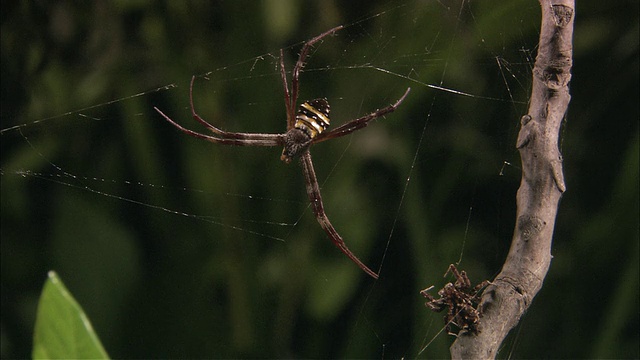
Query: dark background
point(228, 281)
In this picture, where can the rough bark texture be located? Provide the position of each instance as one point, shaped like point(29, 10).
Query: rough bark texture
point(511, 292)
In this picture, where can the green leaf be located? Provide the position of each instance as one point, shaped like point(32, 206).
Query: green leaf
point(62, 329)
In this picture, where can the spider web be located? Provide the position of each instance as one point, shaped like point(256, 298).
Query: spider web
point(429, 185)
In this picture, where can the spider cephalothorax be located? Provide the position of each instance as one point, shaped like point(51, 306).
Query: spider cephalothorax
point(305, 127)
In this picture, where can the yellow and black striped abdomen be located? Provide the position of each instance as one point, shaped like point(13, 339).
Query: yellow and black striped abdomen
point(313, 117)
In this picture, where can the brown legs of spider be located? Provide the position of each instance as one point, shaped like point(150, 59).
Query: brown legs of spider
point(294, 145)
point(357, 124)
point(313, 190)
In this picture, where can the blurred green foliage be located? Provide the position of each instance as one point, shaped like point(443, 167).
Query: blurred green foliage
point(195, 261)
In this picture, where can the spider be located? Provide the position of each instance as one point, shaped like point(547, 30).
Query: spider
point(305, 127)
point(460, 298)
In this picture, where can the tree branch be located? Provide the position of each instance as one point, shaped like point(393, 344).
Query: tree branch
point(542, 184)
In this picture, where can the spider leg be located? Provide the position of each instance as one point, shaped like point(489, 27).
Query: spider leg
point(452, 269)
point(359, 123)
point(479, 287)
point(261, 140)
point(313, 190)
point(226, 134)
point(300, 64)
point(287, 96)
point(224, 137)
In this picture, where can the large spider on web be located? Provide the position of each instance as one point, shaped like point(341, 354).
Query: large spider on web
point(305, 127)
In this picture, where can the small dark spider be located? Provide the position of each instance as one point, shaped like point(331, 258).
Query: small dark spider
point(304, 128)
point(461, 299)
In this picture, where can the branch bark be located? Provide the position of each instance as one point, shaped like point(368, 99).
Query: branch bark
point(542, 184)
